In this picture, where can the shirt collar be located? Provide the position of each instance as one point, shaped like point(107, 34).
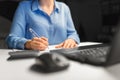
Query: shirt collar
point(35, 6)
point(57, 8)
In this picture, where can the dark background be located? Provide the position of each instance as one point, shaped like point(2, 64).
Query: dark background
point(95, 20)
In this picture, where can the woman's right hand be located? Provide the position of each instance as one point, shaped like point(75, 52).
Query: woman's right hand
point(37, 44)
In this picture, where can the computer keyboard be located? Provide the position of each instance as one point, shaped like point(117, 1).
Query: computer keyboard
point(94, 52)
point(92, 55)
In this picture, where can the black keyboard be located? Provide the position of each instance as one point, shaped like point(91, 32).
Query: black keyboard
point(92, 54)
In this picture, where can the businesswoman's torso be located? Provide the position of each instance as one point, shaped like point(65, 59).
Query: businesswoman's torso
point(57, 27)
point(54, 27)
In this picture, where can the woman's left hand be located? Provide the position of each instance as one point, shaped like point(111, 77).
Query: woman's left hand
point(69, 43)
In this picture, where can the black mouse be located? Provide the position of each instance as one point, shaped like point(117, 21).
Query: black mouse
point(51, 62)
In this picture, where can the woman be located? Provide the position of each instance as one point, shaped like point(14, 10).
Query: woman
point(49, 19)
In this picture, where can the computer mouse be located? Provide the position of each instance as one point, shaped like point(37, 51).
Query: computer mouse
point(52, 62)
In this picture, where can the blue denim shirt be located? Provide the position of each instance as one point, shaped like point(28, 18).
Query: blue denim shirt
point(57, 27)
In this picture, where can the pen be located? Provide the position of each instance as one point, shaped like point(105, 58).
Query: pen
point(34, 33)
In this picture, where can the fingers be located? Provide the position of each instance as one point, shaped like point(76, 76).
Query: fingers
point(69, 43)
point(73, 45)
point(66, 44)
point(39, 43)
point(44, 38)
point(35, 45)
point(60, 45)
point(41, 40)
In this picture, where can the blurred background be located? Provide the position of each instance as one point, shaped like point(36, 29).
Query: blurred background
point(95, 20)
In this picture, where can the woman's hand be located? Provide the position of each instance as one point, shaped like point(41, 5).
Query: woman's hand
point(37, 44)
point(69, 43)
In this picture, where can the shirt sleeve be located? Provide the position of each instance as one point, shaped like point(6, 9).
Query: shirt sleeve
point(16, 37)
point(71, 32)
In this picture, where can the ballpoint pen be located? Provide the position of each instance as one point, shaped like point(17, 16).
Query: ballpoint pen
point(34, 33)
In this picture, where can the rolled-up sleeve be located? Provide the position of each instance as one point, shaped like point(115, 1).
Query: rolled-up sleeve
point(17, 33)
point(71, 32)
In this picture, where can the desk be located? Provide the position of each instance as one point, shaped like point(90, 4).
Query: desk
point(21, 70)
